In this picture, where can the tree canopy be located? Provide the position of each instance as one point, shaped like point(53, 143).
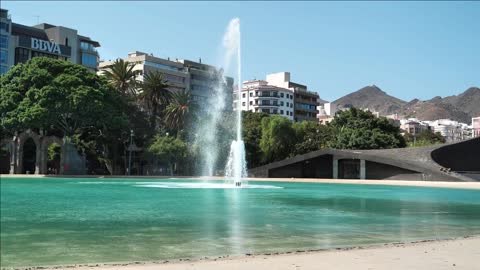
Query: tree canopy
point(278, 138)
point(311, 136)
point(48, 93)
point(358, 129)
point(424, 138)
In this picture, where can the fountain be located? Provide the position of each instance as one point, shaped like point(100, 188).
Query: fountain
point(235, 168)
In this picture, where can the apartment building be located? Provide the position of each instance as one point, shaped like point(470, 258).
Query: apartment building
point(19, 43)
point(199, 78)
point(278, 95)
point(259, 96)
point(305, 102)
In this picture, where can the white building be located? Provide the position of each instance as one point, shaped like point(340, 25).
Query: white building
point(476, 127)
point(278, 95)
point(326, 112)
point(259, 96)
point(451, 130)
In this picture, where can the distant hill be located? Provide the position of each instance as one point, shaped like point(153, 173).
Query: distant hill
point(468, 101)
point(373, 98)
point(461, 107)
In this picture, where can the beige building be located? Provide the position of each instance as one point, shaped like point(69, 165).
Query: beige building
point(196, 77)
point(19, 43)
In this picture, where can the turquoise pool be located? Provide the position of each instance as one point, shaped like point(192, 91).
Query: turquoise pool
point(65, 221)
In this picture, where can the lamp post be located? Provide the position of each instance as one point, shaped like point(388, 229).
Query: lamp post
point(130, 152)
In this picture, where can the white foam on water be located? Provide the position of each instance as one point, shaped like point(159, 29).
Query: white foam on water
point(202, 185)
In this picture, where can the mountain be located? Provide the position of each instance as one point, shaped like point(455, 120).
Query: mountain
point(433, 110)
point(373, 98)
point(461, 107)
point(468, 101)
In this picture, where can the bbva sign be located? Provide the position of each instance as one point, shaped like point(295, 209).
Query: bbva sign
point(44, 45)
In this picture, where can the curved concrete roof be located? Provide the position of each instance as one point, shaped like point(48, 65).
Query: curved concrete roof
point(417, 159)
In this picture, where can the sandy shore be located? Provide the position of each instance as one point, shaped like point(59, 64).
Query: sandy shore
point(461, 254)
point(464, 185)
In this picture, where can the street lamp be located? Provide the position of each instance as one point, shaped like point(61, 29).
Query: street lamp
point(130, 152)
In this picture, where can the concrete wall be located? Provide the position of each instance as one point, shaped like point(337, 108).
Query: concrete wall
point(376, 170)
point(463, 156)
point(319, 167)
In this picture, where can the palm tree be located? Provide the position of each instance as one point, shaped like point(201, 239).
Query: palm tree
point(180, 110)
point(122, 76)
point(155, 94)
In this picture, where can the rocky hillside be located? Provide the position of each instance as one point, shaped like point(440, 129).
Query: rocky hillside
point(461, 107)
point(373, 98)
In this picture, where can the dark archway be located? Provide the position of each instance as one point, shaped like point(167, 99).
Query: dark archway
point(4, 159)
point(29, 156)
point(349, 169)
point(53, 158)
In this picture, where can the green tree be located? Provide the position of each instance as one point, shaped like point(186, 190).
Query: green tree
point(155, 95)
point(252, 134)
point(181, 111)
point(358, 129)
point(169, 149)
point(424, 138)
point(45, 93)
point(278, 138)
point(311, 136)
point(61, 97)
point(122, 76)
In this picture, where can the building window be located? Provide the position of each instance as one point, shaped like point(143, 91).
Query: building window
point(251, 94)
point(3, 57)
point(256, 93)
point(3, 69)
point(176, 79)
point(275, 103)
point(41, 54)
point(87, 46)
point(281, 103)
point(281, 94)
point(243, 95)
point(291, 113)
point(21, 55)
point(275, 111)
point(89, 60)
point(275, 94)
point(162, 66)
point(251, 102)
point(266, 110)
point(291, 105)
point(3, 42)
point(256, 102)
point(243, 103)
point(265, 102)
point(4, 26)
point(281, 112)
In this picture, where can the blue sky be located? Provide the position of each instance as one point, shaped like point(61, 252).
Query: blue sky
point(408, 49)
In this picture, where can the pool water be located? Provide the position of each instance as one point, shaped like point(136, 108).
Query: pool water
point(53, 221)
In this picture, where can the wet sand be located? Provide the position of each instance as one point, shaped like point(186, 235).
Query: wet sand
point(460, 253)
